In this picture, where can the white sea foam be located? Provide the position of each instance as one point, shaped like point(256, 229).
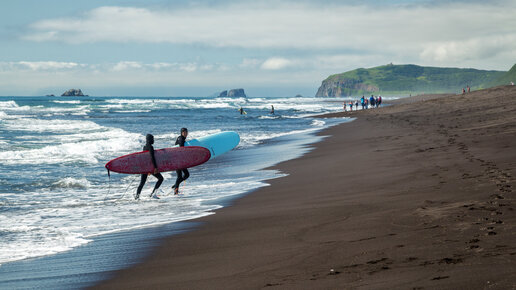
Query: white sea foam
point(132, 111)
point(12, 106)
point(68, 102)
point(296, 104)
point(94, 142)
point(54, 125)
point(70, 182)
point(8, 104)
point(318, 123)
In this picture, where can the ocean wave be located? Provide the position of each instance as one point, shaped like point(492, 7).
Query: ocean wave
point(55, 125)
point(318, 123)
point(93, 143)
point(67, 102)
point(8, 104)
point(70, 182)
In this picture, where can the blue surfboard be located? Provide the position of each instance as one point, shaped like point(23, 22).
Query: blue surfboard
point(218, 143)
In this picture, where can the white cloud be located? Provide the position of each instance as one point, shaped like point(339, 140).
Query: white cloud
point(468, 49)
point(438, 32)
point(275, 63)
point(125, 65)
point(44, 65)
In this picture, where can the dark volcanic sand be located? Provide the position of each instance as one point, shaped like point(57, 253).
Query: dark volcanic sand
point(420, 194)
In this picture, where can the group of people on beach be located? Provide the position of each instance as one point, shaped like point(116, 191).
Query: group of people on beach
point(372, 102)
point(182, 174)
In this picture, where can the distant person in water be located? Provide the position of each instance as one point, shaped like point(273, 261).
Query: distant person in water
point(148, 146)
point(242, 112)
point(272, 109)
point(182, 174)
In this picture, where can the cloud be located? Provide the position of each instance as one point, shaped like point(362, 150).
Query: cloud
point(275, 63)
point(44, 65)
point(124, 65)
point(430, 32)
point(468, 49)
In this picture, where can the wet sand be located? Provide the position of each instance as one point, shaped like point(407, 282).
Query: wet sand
point(419, 194)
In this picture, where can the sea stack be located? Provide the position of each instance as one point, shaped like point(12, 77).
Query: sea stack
point(234, 93)
point(73, 93)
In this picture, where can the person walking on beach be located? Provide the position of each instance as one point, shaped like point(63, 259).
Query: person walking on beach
point(362, 102)
point(379, 100)
point(351, 106)
point(356, 105)
point(148, 146)
point(469, 89)
point(182, 174)
point(371, 101)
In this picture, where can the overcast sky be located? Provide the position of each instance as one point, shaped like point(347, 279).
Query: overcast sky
point(270, 48)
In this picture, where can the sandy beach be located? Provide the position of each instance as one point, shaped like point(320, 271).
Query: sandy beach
point(419, 194)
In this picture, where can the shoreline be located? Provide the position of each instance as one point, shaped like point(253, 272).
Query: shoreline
point(136, 244)
point(405, 195)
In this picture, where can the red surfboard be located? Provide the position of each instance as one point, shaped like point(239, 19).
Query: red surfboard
point(168, 159)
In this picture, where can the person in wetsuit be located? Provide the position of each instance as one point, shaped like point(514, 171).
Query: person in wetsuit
point(148, 146)
point(182, 174)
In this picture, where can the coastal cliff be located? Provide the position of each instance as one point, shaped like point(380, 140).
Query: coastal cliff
point(404, 79)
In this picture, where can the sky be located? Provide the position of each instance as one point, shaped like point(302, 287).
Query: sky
point(269, 48)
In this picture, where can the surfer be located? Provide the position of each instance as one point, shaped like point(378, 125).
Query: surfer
point(182, 174)
point(272, 109)
point(242, 112)
point(148, 146)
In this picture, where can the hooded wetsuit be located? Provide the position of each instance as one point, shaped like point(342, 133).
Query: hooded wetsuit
point(182, 174)
point(148, 146)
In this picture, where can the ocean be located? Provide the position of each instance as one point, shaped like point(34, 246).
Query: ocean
point(55, 194)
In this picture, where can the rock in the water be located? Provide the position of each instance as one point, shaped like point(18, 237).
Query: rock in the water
point(73, 93)
point(223, 94)
point(234, 93)
point(298, 96)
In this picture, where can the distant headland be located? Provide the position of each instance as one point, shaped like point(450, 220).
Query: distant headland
point(411, 79)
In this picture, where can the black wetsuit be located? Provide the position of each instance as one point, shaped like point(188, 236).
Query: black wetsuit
point(182, 174)
point(144, 176)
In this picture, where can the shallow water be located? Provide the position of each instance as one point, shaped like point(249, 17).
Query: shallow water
point(54, 190)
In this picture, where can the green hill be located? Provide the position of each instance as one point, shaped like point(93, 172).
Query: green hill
point(506, 78)
point(408, 79)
